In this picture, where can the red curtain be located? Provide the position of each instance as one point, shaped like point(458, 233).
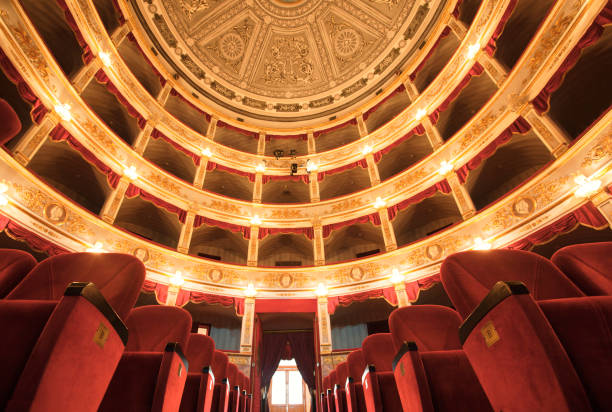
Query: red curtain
point(492, 44)
point(186, 296)
point(102, 78)
point(592, 34)
point(60, 134)
point(133, 191)
point(414, 288)
point(285, 136)
point(271, 351)
point(250, 133)
point(318, 133)
point(173, 92)
point(295, 178)
point(441, 186)
point(87, 54)
point(372, 109)
point(38, 111)
point(387, 293)
point(303, 351)
point(131, 37)
point(18, 232)
point(200, 220)
point(363, 163)
point(445, 32)
point(160, 290)
point(520, 125)
point(210, 166)
point(419, 130)
point(373, 218)
point(476, 70)
point(306, 231)
point(156, 134)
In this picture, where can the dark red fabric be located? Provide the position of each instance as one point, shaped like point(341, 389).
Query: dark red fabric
point(219, 365)
point(387, 293)
point(294, 178)
point(102, 78)
point(373, 218)
point(10, 124)
point(131, 37)
point(378, 350)
point(286, 136)
point(318, 133)
point(173, 92)
point(587, 215)
point(303, 351)
point(467, 276)
point(14, 266)
point(418, 130)
point(520, 125)
point(356, 364)
point(271, 350)
point(431, 327)
point(87, 54)
point(210, 166)
point(199, 352)
point(588, 265)
point(186, 296)
point(492, 44)
point(119, 277)
point(412, 383)
point(285, 305)
point(265, 231)
point(476, 70)
point(200, 220)
point(60, 134)
point(414, 288)
point(445, 32)
point(120, 16)
point(133, 191)
point(156, 134)
point(36, 242)
point(372, 109)
point(442, 186)
point(593, 33)
point(160, 290)
point(363, 163)
point(250, 133)
point(153, 327)
point(38, 111)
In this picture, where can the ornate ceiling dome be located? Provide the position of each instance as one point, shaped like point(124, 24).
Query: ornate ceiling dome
point(286, 61)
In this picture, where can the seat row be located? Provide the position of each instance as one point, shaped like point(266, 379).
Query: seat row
point(66, 345)
point(527, 334)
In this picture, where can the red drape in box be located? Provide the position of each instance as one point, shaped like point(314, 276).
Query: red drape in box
point(363, 163)
point(173, 92)
point(17, 232)
point(306, 231)
point(373, 218)
point(592, 34)
point(414, 288)
point(372, 109)
point(492, 44)
point(87, 54)
point(250, 133)
point(303, 351)
point(286, 136)
point(445, 32)
point(295, 178)
point(456, 11)
point(131, 37)
point(186, 296)
point(200, 220)
point(59, 134)
point(210, 166)
point(156, 134)
point(520, 125)
point(318, 133)
point(587, 215)
point(102, 78)
point(119, 12)
point(476, 70)
point(160, 290)
point(418, 130)
point(133, 191)
point(38, 111)
point(441, 186)
point(387, 293)
point(285, 306)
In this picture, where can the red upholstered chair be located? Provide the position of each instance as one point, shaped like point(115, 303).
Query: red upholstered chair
point(342, 373)
point(379, 389)
point(221, 391)
point(355, 401)
point(62, 341)
point(10, 124)
point(152, 372)
point(431, 370)
point(325, 386)
point(249, 393)
point(331, 399)
point(198, 392)
point(234, 378)
point(14, 265)
point(588, 265)
point(536, 345)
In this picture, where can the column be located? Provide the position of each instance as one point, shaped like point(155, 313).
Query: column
point(173, 291)
point(212, 128)
point(411, 89)
point(86, 75)
point(142, 140)
point(494, 69)
point(603, 202)
point(200, 174)
point(33, 139)
point(164, 93)
point(549, 133)
point(387, 230)
point(313, 186)
point(186, 232)
point(261, 144)
point(462, 196)
point(458, 27)
point(318, 245)
point(402, 296)
point(258, 187)
point(432, 133)
point(363, 130)
point(372, 170)
point(312, 147)
point(325, 339)
point(114, 200)
point(119, 34)
point(248, 321)
point(253, 246)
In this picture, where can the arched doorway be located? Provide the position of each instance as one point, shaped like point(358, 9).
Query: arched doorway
point(288, 391)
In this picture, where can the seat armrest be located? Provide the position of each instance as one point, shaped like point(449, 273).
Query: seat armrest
point(171, 379)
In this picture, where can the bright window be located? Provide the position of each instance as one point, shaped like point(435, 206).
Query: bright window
point(287, 385)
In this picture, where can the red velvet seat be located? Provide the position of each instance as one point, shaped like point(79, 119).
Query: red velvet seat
point(14, 266)
point(221, 391)
point(437, 376)
point(323, 400)
point(233, 378)
point(198, 392)
point(10, 124)
point(379, 388)
point(331, 399)
point(152, 372)
point(342, 373)
point(56, 332)
point(355, 401)
point(588, 265)
point(552, 349)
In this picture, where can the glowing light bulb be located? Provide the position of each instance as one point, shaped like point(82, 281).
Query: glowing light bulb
point(250, 291)
point(367, 149)
point(321, 290)
point(586, 187)
point(311, 166)
point(206, 152)
point(396, 277)
point(480, 244)
point(177, 280)
point(255, 220)
point(63, 110)
point(379, 203)
point(445, 168)
point(472, 50)
point(420, 114)
point(3, 198)
point(261, 166)
point(130, 173)
point(96, 248)
point(106, 58)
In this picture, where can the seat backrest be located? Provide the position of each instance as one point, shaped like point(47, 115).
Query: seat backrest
point(378, 350)
point(232, 374)
point(356, 364)
point(119, 277)
point(199, 352)
point(588, 265)
point(14, 266)
point(431, 327)
point(342, 372)
point(469, 276)
point(10, 124)
point(332, 379)
point(220, 362)
point(326, 383)
point(151, 328)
